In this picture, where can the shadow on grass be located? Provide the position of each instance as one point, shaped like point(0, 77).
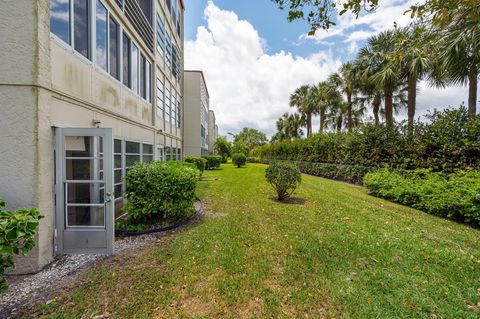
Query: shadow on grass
point(292, 200)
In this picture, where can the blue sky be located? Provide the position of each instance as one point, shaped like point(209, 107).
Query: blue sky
point(253, 58)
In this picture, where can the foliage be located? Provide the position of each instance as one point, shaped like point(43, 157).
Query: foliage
point(247, 140)
point(239, 159)
point(355, 255)
point(455, 196)
point(17, 236)
point(213, 161)
point(160, 192)
point(289, 126)
point(284, 178)
point(450, 141)
point(223, 148)
point(347, 173)
point(199, 162)
point(253, 159)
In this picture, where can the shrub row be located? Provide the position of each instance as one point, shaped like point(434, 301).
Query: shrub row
point(213, 161)
point(455, 196)
point(252, 159)
point(449, 142)
point(160, 192)
point(341, 172)
point(199, 162)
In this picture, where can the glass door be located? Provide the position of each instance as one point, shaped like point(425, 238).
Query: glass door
point(84, 190)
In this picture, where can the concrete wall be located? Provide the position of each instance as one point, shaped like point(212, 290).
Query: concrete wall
point(211, 132)
point(192, 107)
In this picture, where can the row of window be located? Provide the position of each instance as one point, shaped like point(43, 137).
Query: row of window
point(112, 49)
point(168, 104)
point(127, 153)
point(167, 48)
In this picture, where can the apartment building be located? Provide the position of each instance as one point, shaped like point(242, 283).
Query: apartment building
point(87, 88)
point(197, 106)
point(212, 131)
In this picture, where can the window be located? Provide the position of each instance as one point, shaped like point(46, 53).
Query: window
point(146, 6)
point(114, 48)
point(168, 52)
point(160, 35)
point(126, 60)
point(134, 75)
point(179, 116)
point(81, 27)
point(179, 154)
point(60, 19)
point(160, 98)
point(148, 81)
point(118, 169)
point(132, 153)
point(167, 105)
point(173, 109)
point(147, 153)
point(168, 154)
point(160, 153)
point(101, 36)
point(145, 78)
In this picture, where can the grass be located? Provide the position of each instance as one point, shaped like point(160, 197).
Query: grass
point(339, 254)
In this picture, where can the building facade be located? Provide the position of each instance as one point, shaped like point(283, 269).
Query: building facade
point(87, 88)
point(196, 118)
point(212, 131)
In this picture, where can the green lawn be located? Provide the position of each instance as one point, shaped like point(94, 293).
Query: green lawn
point(340, 254)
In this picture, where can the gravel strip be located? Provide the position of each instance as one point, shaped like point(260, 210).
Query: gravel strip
point(27, 290)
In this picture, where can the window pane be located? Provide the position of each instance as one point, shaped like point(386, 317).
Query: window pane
point(81, 27)
point(60, 19)
point(146, 6)
point(147, 158)
point(143, 74)
point(117, 176)
point(148, 81)
point(132, 147)
point(83, 169)
point(134, 68)
point(85, 193)
point(114, 49)
point(85, 216)
point(126, 60)
point(118, 191)
point(160, 98)
point(101, 24)
point(117, 146)
point(117, 161)
point(147, 149)
point(132, 159)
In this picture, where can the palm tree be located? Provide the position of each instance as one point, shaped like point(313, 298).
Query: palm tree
point(323, 96)
point(414, 58)
point(289, 127)
point(460, 54)
point(374, 63)
point(337, 115)
point(345, 81)
point(300, 99)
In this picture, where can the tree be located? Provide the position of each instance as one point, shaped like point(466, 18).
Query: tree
point(460, 53)
point(223, 148)
point(325, 96)
point(345, 81)
point(248, 139)
point(374, 63)
point(301, 100)
point(289, 126)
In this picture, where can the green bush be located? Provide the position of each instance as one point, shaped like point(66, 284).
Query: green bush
point(455, 196)
point(449, 141)
point(199, 162)
point(239, 159)
point(160, 192)
point(17, 236)
point(284, 178)
point(213, 161)
point(254, 159)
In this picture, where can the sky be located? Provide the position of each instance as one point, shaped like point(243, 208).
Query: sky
point(253, 58)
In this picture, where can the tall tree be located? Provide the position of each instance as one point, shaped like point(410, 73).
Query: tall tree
point(248, 139)
point(345, 81)
point(374, 63)
point(301, 99)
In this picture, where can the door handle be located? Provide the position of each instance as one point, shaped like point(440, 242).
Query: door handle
point(108, 197)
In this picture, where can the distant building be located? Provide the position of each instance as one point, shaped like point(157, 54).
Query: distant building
point(196, 116)
point(212, 132)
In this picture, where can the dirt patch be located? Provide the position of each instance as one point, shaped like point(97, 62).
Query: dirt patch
point(292, 200)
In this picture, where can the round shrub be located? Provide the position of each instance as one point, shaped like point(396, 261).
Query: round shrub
point(239, 159)
point(199, 162)
point(160, 192)
point(284, 177)
point(213, 161)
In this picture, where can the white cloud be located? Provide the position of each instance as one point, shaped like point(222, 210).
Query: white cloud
point(249, 87)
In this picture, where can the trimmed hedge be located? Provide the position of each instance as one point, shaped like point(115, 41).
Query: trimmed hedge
point(346, 173)
point(199, 162)
point(451, 141)
point(213, 161)
point(160, 192)
point(254, 160)
point(239, 159)
point(455, 196)
point(284, 178)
